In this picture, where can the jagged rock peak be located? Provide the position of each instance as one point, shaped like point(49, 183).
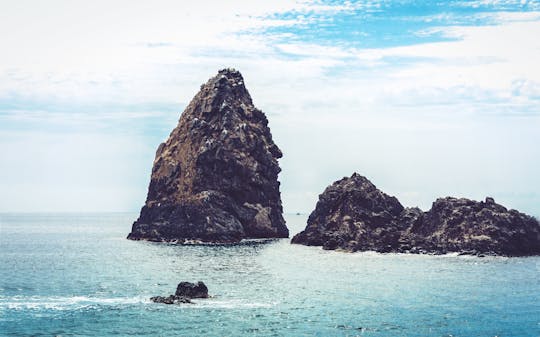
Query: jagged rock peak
point(227, 81)
point(349, 215)
point(364, 192)
point(215, 178)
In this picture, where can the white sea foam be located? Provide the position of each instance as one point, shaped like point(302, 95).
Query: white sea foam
point(64, 303)
point(82, 302)
point(229, 304)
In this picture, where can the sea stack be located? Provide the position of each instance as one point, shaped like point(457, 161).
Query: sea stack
point(215, 179)
point(353, 215)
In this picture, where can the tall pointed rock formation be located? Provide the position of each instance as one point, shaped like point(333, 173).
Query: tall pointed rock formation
point(215, 179)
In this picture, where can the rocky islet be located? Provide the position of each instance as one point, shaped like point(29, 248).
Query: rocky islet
point(185, 291)
point(215, 179)
point(353, 215)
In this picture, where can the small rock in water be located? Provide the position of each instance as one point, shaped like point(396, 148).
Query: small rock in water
point(184, 293)
point(192, 290)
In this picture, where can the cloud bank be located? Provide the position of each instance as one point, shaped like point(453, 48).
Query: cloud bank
point(424, 99)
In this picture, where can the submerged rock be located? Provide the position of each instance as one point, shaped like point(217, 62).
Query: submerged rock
point(185, 291)
point(353, 215)
point(215, 179)
point(171, 299)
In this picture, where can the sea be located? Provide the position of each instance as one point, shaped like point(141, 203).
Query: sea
point(78, 275)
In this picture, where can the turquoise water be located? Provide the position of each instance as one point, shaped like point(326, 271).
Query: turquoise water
point(73, 274)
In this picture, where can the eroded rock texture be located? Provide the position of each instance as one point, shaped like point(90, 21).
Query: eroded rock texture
point(463, 225)
point(353, 215)
point(215, 179)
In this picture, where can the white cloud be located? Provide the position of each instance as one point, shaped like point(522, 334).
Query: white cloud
point(416, 119)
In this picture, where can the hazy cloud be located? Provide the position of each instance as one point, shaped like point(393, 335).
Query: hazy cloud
point(425, 99)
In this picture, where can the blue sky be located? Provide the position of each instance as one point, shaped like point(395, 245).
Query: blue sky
point(425, 98)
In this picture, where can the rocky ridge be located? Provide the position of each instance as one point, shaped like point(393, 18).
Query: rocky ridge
point(215, 179)
point(353, 215)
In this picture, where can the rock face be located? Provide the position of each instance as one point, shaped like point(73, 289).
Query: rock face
point(215, 178)
point(462, 225)
point(184, 293)
point(353, 215)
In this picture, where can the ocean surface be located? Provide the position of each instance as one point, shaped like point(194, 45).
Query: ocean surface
point(77, 275)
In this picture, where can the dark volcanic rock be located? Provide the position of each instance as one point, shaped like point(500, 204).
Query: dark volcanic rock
point(463, 225)
point(192, 290)
point(171, 299)
point(185, 291)
point(353, 215)
point(215, 178)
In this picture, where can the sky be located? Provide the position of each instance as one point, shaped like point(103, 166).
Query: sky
point(427, 99)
